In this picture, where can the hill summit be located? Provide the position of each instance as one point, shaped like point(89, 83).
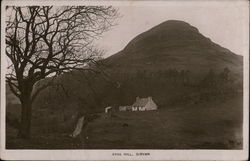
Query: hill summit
point(168, 31)
point(175, 44)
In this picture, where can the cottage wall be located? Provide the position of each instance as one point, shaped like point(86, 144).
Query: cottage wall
point(122, 108)
point(134, 108)
point(125, 108)
point(142, 108)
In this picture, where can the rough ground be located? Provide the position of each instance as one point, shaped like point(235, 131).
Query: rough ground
point(202, 126)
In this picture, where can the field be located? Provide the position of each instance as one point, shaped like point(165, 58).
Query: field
point(216, 125)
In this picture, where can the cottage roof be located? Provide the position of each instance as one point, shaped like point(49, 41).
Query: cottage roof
point(140, 102)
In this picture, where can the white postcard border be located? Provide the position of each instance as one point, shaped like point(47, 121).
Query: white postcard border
point(108, 154)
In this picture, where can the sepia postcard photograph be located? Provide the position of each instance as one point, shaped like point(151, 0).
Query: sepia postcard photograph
point(124, 80)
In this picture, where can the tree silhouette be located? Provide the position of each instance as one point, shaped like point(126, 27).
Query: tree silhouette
point(46, 41)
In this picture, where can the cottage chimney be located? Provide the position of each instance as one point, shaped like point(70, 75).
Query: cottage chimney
point(137, 98)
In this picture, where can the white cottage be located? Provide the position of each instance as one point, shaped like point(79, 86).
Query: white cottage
point(144, 104)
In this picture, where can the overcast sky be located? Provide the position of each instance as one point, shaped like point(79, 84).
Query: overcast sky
point(225, 23)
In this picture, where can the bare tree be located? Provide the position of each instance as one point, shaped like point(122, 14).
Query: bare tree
point(45, 41)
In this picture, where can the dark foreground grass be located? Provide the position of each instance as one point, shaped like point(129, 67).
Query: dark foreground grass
point(215, 125)
point(205, 126)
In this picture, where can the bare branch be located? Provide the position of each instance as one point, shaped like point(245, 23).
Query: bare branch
point(45, 41)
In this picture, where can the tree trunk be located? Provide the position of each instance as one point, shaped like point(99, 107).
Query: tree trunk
point(24, 129)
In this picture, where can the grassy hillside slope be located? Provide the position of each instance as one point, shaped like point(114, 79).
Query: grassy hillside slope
point(214, 125)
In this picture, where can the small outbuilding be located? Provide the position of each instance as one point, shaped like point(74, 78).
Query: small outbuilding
point(125, 108)
point(108, 109)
